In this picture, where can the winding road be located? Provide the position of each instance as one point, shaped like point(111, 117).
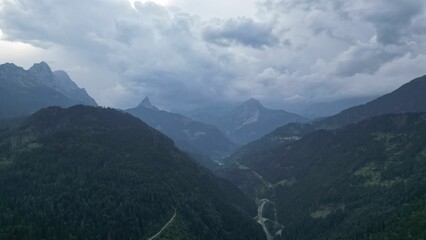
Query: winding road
point(261, 220)
point(164, 227)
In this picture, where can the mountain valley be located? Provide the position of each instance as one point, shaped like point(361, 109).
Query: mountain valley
point(204, 142)
point(86, 172)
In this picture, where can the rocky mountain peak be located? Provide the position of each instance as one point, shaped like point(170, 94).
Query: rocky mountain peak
point(43, 73)
point(40, 67)
point(146, 103)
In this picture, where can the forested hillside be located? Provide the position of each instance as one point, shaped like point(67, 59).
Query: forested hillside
point(364, 181)
point(94, 173)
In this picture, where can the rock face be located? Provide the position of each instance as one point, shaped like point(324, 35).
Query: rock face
point(23, 92)
point(251, 120)
point(206, 143)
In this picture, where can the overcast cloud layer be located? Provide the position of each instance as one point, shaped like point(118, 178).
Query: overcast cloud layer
point(289, 51)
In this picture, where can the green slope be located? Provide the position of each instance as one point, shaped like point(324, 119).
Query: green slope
point(364, 181)
point(94, 173)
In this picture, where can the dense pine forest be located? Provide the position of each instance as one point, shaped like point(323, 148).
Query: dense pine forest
point(95, 173)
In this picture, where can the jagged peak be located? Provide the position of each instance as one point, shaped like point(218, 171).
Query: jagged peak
point(146, 103)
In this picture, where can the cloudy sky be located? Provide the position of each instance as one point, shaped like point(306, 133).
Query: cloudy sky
point(186, 53)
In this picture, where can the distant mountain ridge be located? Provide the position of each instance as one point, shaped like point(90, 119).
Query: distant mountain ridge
point(251, 120)
point(204, 142)
point(410, 97)
point(23, 92)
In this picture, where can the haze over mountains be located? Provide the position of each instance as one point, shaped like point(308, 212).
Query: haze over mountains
point(203, 141)
point(246, 121)
point(23, 92)
point(26, 91)
point(252, 120)
point(410, 97)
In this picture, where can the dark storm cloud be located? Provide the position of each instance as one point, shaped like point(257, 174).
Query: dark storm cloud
point(293, 50)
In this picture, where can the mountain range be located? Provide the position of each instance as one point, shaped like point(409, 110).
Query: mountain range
point(23, 92)
point(251, 120)
point(87, 172)
point(410, 97)
point(98, 173)
point(205, 142)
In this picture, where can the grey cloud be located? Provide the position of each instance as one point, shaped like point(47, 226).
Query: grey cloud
point(294, 49)
point(243, 31)
point(49, 21)
point(392, 18)
point(366, 58)
point(154, 50)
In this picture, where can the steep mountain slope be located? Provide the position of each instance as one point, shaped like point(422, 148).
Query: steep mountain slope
point(410, 97)
point(251, 120)
point(95, 173)
point(205, 142)
point(65, 85)
point(364, 181)
point(24, 92)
